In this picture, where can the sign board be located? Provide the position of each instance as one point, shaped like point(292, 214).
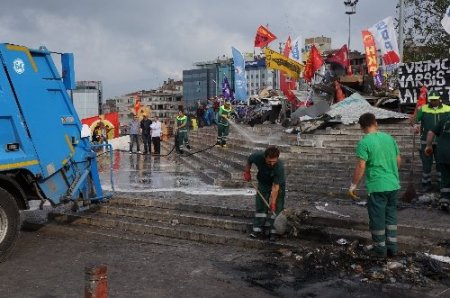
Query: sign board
point(434, 74)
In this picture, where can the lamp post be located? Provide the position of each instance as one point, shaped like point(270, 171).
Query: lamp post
point(215, 83)
point(350, 5)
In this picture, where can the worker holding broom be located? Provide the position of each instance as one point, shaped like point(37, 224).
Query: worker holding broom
point(271, 190)
point(378, 158)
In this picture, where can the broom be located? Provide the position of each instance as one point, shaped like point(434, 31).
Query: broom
point(410, 192)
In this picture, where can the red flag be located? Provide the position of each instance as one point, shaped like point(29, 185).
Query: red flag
point(340, 57)
point(263, 37)
point(287, 85)
point(313, 63)
point(137, 104)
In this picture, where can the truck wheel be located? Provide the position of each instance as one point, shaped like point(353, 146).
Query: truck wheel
point(9, 223)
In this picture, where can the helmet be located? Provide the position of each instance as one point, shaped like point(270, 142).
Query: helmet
point(434, 95)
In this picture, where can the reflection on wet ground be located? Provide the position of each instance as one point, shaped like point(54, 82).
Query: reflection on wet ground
point(146, 173)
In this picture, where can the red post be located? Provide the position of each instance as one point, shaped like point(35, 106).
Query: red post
point(95, 281)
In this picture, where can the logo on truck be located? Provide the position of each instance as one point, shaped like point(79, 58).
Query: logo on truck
point(19, 66)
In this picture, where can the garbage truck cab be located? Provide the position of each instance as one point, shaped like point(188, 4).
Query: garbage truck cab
point(43, 155)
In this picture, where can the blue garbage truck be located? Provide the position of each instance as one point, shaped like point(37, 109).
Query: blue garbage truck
point(45, 152)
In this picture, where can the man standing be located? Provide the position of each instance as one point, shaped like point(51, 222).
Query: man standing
point(428, 116)
point(156, 136)
point(146, 136)
point(223, 125)
point(378, 158)
point(134, 134)
point(442, 130)
point(181, 131)
point(271, 184)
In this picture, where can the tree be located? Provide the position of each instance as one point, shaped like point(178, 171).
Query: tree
point(424, 36)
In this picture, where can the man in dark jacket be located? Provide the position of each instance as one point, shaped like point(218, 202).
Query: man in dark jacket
point(146, 134)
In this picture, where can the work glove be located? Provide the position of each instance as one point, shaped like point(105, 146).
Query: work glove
point(428, 151)
point(352, 192)
point(247, 176)
point(273, 206)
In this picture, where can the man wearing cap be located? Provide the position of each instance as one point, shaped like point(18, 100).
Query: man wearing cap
point(428, 116)
point(442, 130)
point(223, 125)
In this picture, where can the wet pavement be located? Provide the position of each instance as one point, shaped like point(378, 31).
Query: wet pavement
point(138, 173)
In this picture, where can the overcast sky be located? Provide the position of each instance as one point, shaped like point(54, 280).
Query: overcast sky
point(137, 44)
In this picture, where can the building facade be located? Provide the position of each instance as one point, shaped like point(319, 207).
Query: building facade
point(259, 77)
point(87, 98)
point(206, 80)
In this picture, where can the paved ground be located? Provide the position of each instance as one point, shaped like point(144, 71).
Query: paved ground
point(50, 263)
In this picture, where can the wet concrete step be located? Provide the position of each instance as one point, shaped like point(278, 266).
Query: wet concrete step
point(178, 216)
point(238, 214)
point(126, 227)
point(196, 227)
point(183, 232)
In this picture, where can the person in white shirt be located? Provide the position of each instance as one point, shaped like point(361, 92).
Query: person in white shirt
point(156, 136)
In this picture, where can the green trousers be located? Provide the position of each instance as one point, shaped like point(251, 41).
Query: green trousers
point(445, 183)
point(264, 218)
point(382, 208)
point(427, 164)
point(182, 139)
point(222, 133)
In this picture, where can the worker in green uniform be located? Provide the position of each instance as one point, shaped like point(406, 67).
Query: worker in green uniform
point(428, 116)
point(442, 130)
point(223, 125)
point(379, 159)
point(271, 184)
point(181, 131)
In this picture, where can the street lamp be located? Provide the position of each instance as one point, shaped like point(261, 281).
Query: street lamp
point(350, 5)
point(215, 83)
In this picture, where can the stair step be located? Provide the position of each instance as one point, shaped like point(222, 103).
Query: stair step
point(182, 217)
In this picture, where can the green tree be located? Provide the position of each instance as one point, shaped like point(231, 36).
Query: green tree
point(425, 38)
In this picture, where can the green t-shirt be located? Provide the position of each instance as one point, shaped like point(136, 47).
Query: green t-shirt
point(267, 175)
point(224, 112)
point(442, 130)
point(180, 121)
point(380, 152)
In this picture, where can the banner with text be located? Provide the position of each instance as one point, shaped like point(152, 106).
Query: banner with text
point(434, 74)
point(276, 60)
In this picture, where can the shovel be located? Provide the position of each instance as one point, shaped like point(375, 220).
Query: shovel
point(280, 221)
point(410, 192)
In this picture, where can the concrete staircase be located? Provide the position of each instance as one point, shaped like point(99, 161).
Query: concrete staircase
point(316, 164)
point(153, 219)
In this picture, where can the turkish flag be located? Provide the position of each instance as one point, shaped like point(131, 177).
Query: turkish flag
point(110, 120)
point(263, 37)
point(340, 57)
point(137, 104)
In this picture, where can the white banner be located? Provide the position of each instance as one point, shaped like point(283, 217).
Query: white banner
point(296, 49)
point(386, 39)
point(446, 20)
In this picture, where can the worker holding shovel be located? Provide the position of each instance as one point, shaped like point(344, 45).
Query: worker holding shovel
point(270, 191)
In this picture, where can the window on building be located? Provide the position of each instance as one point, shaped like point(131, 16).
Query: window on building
point(263, 76)
point(257, 76)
